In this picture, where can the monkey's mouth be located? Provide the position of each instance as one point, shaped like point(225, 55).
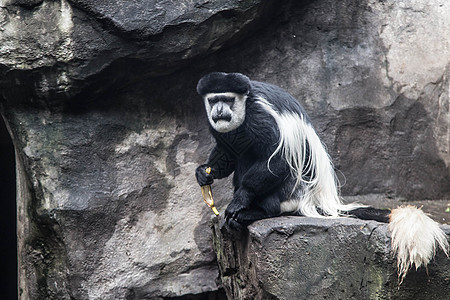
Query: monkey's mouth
point(221, 118)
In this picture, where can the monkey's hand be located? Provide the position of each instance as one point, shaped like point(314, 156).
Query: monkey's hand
point(241, 201)
point(203, 178)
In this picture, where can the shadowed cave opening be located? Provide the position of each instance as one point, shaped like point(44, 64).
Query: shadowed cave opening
point(8, 237)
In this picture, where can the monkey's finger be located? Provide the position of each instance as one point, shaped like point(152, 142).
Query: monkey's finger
point(227, 215)
point(236, 226)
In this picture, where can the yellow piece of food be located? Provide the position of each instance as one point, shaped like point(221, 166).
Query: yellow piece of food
point(207, 195)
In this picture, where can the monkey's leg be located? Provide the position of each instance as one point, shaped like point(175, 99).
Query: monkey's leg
point(262, 208)
point(257, 184)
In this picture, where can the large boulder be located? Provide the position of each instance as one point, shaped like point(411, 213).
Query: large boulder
point(99, 98)
point(309, 258)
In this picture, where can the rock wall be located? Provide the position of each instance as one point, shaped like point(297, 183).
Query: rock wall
point(100, 101)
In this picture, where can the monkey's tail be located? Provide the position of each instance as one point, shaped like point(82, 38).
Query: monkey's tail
point(414, 236)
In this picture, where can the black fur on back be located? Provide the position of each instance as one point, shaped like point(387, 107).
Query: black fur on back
point(279, 98)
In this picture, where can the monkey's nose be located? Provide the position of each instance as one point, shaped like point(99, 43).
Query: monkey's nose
point(220, 110)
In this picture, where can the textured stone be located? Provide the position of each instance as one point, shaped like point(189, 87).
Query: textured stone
point(306, 258)
point(107, 203)
point(78, 39)
point(100, 101)
point(116, 208)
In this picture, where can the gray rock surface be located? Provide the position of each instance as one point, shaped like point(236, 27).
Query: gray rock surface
point(308, 258)
point(108, 205)
point(99, 97)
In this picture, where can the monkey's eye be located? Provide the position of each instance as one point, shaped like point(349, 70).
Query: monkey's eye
point(228, 99)
point(224, 99)
point(213, 100)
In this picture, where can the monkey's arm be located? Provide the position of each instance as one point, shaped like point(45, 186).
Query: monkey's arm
point(222, 164)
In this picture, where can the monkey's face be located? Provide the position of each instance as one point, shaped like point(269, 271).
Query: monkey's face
point(226, 111)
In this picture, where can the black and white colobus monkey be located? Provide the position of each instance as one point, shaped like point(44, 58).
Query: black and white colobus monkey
point(280, 166)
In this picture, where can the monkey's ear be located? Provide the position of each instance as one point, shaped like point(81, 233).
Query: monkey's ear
point(219, 82)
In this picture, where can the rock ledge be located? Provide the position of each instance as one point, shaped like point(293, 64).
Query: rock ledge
point(307, 258)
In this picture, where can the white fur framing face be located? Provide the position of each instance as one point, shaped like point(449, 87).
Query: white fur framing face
point(237, 112)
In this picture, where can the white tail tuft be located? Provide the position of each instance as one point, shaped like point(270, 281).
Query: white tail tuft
point(414, 238)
